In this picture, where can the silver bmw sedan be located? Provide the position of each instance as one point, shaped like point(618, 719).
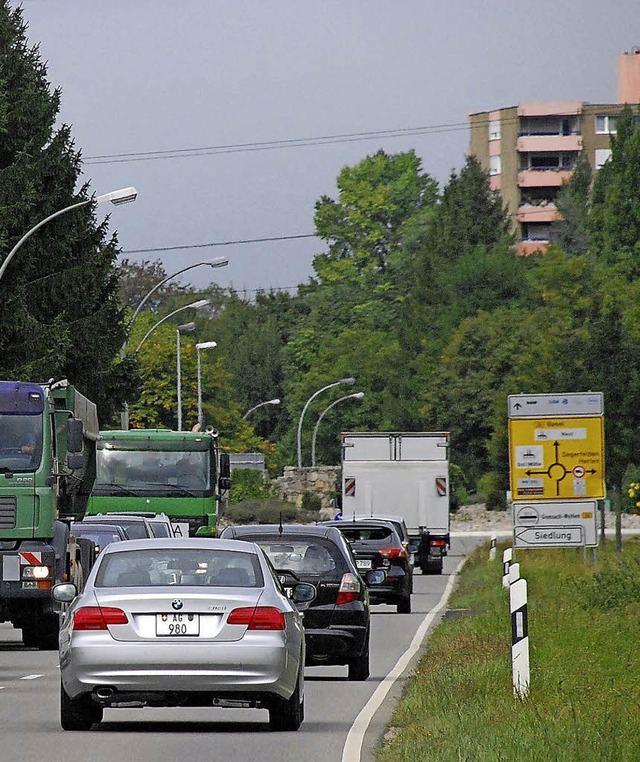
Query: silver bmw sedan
point(182, 622)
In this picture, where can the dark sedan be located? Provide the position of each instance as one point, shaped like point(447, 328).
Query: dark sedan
point(336, 623)
point(377, 547)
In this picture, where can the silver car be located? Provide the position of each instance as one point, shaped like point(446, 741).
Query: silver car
point(182, 622)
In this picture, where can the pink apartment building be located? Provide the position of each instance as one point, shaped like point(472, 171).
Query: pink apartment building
point(531, 149)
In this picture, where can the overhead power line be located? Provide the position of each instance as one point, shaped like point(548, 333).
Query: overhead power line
point(268, 145)
point(220, 243)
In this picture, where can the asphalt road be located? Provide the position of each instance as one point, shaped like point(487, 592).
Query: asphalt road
point(29, 704)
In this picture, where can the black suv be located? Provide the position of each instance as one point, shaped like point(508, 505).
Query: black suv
point(336, 622)
point(377, 547)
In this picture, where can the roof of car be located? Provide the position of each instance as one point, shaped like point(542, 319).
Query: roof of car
point(107, 517)
point(288, 529)
point(104, 527)
point(201, 543)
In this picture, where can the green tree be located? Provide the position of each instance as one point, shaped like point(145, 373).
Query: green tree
point(58, 297)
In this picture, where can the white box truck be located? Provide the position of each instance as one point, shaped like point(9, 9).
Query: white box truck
point(403, 473)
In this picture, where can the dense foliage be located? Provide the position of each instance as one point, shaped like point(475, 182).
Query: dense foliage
point(59, 309)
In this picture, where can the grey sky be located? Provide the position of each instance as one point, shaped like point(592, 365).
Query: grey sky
point(154, 75)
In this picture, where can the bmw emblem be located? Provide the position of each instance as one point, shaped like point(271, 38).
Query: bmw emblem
point(177, 604)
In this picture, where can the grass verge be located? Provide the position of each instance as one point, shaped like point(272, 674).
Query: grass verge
point(584, 632)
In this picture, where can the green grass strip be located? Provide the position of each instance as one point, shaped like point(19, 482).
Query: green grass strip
point(584, 640)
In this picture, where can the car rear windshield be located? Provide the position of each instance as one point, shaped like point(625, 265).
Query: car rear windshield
point(364, 534)
point(303, 555)
point(160, 529)
point(180, 567)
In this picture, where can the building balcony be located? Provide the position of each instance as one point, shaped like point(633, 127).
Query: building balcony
point(541, 213)
point(546, 143)
point(525, 248)
point(543, 178)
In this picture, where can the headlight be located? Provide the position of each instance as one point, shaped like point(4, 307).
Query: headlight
point(35, 572)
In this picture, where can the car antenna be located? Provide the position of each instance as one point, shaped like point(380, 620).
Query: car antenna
point(280, 527)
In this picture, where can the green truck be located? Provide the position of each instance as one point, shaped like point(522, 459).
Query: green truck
point(48, 435)
point(180, 473)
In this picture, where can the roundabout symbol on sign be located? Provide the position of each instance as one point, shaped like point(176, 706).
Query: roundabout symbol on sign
point(578, 472)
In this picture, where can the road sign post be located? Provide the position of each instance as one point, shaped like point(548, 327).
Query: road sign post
point(556, 467)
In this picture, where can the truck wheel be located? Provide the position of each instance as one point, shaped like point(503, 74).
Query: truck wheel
point(78, 713)
point(404, 605)
point(359, 669)
point(288, 714)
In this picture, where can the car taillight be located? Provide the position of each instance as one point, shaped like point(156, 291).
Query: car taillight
point(437, 543)
point(97, 617)
point(258, 618)
point(349, 589)
point(392, 553)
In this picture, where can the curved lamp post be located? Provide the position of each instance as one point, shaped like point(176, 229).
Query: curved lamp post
point(184, 328)
point(349, 381)
point(274, 401)
point(217, 262)
point(356, 396)
point(122, 196)
point(195, 305)
point(202, 345)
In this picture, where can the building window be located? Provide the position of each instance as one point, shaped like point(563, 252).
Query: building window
point(602, 156)
point(535, 231)
point(606, 124)
point(495, 166)
point(494, 130)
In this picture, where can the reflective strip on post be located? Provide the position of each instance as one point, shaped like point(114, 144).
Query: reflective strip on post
point(492, 547)
point(506, 562)
point(519, 638)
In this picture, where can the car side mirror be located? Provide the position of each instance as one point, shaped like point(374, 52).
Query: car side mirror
point(375, 577)
point(65, 592)
point(304, 592)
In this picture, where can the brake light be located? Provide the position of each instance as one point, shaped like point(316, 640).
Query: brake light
point(392, 553)
point(438, 543)
point(349, 589)
point(258, 618)
point(97, 617)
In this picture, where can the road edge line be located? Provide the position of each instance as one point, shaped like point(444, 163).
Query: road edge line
point(352, 749)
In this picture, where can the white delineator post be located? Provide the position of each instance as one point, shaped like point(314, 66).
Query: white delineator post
point(519, 636)
point(506, 562)
point(492, 547)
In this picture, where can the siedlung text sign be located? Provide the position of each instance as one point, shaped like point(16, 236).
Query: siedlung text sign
point(554, 524)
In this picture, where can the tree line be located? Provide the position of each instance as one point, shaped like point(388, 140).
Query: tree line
point(417, 293)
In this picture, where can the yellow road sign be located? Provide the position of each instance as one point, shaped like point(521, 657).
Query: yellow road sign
point(552, 458)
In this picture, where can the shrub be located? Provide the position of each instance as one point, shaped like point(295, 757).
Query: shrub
point(311, 502)
point(612, 588)
point(247, 484)
point(630, 494)
point(491, 484)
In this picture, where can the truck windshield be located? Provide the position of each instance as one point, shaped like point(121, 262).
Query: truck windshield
point(147, 472)
point(20, 442)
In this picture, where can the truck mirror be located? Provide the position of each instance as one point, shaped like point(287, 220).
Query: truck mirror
point(75, 430)
point(75, 460)
point(225, 465)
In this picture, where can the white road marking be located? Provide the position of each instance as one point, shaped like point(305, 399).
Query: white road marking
point(31, 677)
point(353, 745)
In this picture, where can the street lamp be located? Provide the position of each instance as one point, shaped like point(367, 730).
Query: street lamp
point(217, 262)
point(356, 396)
point(348, 381)
point(274, 401)
point(184, 328)
point(117, 197)
point(194, 305)
point(202, 345)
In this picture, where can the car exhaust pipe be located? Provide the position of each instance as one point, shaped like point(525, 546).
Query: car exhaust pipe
point(104, 694)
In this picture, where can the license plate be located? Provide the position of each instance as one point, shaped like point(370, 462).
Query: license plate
point(363, 563)
point(177, 625)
